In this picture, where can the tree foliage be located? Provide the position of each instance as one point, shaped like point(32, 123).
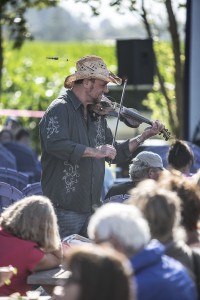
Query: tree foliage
point(165, 95)
point(12, 15)
point(31, 82)
point(166, 99)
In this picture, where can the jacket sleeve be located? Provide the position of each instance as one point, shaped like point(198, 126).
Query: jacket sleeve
point(55, 135)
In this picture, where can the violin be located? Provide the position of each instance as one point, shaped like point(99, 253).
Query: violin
point(129, 116)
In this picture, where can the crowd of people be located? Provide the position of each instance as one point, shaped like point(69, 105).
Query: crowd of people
point(16, 151)
point(144, 233)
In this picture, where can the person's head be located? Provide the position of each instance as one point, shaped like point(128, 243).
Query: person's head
point(23, 137)
point(92, 76)
point(95, 273)
point(180, 157)
point(6, 136)
point(160, 207)
point(120, 225)
point(32, 218)
point(189, 194)
point(145, 165)
point(13, 124)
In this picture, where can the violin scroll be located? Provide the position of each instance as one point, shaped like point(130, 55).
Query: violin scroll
point(166, 134)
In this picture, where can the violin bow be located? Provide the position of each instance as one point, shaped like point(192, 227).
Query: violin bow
point(118, 116)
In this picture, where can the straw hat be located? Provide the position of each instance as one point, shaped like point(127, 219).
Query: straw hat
point(91, 67)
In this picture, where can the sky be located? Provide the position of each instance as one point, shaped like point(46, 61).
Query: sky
point(106, 12)
point(128, 18)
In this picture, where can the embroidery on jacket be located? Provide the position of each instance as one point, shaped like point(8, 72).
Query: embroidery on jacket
point(100, 137)
point(52, 126)
point(71, 177)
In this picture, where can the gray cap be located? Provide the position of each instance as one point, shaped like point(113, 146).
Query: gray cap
point(147, 159)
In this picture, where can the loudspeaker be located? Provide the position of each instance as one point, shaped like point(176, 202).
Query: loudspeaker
point(136, 61)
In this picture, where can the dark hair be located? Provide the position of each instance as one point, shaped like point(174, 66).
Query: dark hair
point(180, 155)
point(21, 133)
point(6, 130)
point(189, 194)
point(12, 120)
point(102, 273)
point(80, 81)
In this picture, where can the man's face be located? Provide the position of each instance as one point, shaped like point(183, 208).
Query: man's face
point(97, 89)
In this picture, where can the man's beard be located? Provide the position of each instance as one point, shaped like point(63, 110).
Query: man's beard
point(96, 100)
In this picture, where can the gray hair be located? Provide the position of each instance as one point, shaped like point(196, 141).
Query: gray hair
point(142, 163)
point(141, 172)
point(122, 223)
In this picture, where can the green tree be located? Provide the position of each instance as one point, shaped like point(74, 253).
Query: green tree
point(162, 96)
point(12, 15)
point(31, 82)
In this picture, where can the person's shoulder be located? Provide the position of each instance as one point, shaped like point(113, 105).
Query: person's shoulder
point(57, 106)
point(179, 247)
point(175, 269)
point(60, 101)
point(173, 274)
point(180, 281)
point(121, 184)
point(120, 188)
point(170, 276)
point(17, 241)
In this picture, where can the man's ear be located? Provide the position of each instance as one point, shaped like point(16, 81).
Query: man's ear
point(151, 173)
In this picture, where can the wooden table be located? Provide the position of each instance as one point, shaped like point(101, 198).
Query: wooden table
point(49, 279)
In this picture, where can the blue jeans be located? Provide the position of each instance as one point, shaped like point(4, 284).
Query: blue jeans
point(71, 222)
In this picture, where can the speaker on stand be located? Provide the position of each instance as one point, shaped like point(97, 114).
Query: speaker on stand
point(136, 61)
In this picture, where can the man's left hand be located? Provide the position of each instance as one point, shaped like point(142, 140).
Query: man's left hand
point(156, 128)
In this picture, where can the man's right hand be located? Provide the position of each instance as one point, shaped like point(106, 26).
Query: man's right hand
point(106, 151)
point(101, 152)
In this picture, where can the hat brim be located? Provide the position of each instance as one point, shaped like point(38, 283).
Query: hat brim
point(69, 80)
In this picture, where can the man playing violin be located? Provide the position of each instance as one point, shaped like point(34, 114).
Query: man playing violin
point(75, 145)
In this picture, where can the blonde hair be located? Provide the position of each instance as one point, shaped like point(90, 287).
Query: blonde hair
point(160, 207)
point(33, 218)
